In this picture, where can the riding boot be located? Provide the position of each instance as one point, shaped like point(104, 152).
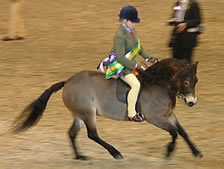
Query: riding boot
point(139, 117)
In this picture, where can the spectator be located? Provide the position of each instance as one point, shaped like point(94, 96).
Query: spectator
point(186, 21)
point(16, 24)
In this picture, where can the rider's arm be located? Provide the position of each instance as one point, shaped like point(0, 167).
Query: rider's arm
point(144, 53)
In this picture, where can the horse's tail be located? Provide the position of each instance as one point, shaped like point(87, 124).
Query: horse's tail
point(33, 112)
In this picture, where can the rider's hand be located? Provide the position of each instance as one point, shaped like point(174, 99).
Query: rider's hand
point(136, 69)
point(151, 59)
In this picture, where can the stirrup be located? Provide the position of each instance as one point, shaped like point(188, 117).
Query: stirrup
point(141, 115)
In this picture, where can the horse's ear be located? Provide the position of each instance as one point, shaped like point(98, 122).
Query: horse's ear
point(195, 66)
point(196, 63)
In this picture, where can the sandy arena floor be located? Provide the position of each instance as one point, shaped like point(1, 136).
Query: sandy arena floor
point(64, 37)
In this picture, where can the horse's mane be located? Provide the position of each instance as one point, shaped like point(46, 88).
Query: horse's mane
point(161, 72)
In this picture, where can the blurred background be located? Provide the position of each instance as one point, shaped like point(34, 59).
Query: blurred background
point(64, 37)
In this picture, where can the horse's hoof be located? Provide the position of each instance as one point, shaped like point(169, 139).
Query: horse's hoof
point(118, 157)
point(198, 154)
point(168, 154)
point(81, 157)
point(170, 149)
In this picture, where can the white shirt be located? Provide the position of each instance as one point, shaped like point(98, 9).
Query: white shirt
point(180, 10)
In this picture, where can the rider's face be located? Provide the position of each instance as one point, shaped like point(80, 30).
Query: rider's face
point(130, 24)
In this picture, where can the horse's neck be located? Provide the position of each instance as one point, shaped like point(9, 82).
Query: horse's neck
point(162, 73)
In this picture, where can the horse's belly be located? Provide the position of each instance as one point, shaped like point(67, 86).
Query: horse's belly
point(89, 92)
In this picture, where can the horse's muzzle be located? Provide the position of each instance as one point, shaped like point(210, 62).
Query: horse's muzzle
point(190, 100)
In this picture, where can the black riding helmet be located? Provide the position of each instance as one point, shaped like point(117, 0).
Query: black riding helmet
point(130, 13)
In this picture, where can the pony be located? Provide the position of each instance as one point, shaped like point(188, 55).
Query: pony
point(87, 94)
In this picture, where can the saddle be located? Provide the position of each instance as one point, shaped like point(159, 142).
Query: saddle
point(122, 93)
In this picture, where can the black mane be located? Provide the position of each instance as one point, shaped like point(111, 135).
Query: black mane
point(161, 72)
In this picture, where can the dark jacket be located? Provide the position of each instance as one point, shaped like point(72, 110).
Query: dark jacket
point(123, 43)
point(192, 19)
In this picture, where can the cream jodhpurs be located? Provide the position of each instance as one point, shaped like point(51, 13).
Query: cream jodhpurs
point(134, 84)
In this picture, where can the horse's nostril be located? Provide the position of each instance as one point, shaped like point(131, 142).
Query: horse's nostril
point(190, 104)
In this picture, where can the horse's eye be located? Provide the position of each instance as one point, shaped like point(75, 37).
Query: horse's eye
point(186, 83)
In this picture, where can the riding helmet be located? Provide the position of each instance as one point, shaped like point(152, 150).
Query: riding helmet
point(130, 13)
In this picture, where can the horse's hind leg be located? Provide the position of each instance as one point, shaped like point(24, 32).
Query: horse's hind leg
point(73, 131)
point(183, 133)
point(92, 134)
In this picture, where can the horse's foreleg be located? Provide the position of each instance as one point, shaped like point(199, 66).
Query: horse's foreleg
point(171, 145)
point(73, 131)
point(172, 130)
point(92, 134)
point(168, 126)
point(183, 133)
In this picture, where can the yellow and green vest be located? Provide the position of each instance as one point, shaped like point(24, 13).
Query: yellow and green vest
point(116, 68)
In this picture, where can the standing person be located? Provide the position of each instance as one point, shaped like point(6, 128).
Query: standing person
point(126, 47)
point(186, 21)
point(16, 23)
